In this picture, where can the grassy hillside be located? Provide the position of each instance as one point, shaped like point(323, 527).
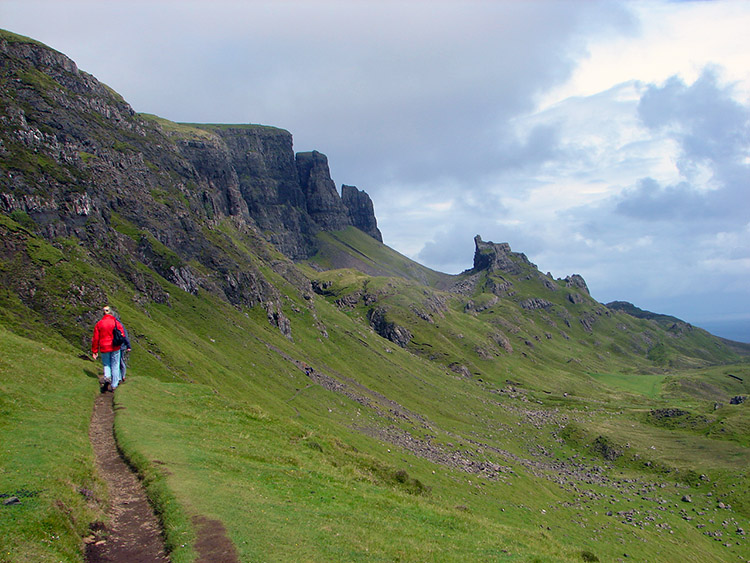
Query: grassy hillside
point(46, 461)
point(339, 445)
point(354, 249)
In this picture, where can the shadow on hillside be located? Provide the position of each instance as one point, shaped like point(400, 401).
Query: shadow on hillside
point(92, 374)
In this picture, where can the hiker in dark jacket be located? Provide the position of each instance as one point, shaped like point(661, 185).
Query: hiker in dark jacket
point(101, 342)
point(124, 349)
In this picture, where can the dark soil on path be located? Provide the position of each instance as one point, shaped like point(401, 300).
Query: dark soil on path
point(213, 545)
point(133, 534)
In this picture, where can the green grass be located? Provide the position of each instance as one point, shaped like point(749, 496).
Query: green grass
point(260, 437)
point(353, 248)
point(46, 459)
point(179, 129)
point(648, 385)
point(221, 425)
point(16, 38)
point(284, 500)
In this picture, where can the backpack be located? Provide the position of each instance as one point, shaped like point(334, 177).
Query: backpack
point(118, 339)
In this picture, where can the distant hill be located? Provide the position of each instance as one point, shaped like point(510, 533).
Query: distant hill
point(634, 311)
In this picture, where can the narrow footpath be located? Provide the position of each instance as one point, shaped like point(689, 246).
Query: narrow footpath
point(133, 534)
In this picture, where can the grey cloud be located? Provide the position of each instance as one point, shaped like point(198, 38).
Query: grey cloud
point(650, 200)
point(406, 91)
point(703, 117)
point(712, 130)
point(542, 144)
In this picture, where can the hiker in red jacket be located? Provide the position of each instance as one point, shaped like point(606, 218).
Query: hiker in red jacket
point(102, 343)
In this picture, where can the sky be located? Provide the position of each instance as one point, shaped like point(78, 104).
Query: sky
point(608, 139)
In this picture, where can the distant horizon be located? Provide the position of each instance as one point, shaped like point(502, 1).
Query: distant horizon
point(735, 330)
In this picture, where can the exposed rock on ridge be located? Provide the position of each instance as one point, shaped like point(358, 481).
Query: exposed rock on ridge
point(361, 211)
point(255, 175)
point(498, 257)
point(323, 202)
point(576, 280)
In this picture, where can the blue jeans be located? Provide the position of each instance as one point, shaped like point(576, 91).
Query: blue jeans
point(123, 365)
point(111, 363)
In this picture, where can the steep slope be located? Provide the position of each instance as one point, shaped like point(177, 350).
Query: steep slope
point(352, 406)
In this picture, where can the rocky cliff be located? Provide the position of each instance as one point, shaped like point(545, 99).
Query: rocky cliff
point(134, 189)
point(360, 210)
point(497, 257)
point(72, 149)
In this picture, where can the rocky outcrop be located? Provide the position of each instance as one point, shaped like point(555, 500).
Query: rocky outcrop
point(387, 329)
point(499, 286)
point(253, 173)
point(221, 195)
point(577, 281)
point(575, 298)
point(497, 257)
point(534, 303)
point(361, 211)
point(263, 162)
point(322, 200)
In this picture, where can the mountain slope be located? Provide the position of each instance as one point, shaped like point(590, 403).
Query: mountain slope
point(325, 397)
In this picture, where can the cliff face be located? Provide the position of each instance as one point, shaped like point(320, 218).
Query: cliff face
point(360, 209)
point(323, 202)
point(78, 164)
point(75, 157)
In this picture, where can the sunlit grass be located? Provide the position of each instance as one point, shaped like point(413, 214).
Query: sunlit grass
point(647, 385)
point(46, 459)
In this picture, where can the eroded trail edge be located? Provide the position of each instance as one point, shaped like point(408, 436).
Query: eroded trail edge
point(133, 534)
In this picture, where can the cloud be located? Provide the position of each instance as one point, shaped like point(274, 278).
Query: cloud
point(704, 116)
point(651, 200)
point(712, 130)
point(698, 260)
point(636, 196)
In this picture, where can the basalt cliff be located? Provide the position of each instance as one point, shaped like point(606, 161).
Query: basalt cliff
point(78, 161)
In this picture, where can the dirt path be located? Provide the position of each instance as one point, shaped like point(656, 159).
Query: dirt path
point(133, 534)
point(213, 545)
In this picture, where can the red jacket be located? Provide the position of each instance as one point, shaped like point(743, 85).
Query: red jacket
point(102, 339)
